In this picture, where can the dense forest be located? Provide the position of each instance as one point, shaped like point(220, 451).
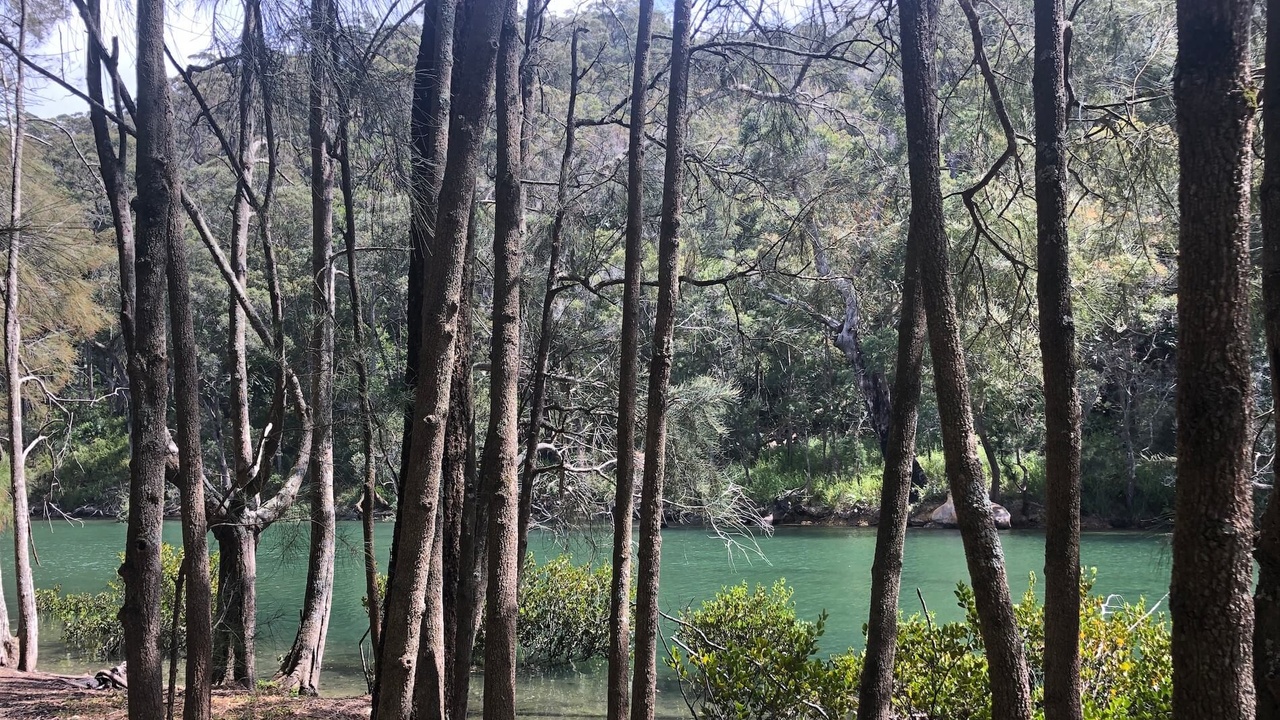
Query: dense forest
point(481, 269)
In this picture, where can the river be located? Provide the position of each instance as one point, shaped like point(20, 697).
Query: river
point(828, 567)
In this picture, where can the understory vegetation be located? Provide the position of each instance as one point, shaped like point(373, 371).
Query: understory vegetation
point(745, 655)
point(90, 622)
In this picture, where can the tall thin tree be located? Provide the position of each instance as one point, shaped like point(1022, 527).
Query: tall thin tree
point(1010, 684)
point(617, 696)
point(28, 627)
point(157, 229)
point(1058, 354)
point(190, 479)
point(498, 463)
point(301, 667)
point(1209, 593)
point(476, 54)
point(645, 681)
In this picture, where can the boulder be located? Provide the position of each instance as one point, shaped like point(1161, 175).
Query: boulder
point(945, 515)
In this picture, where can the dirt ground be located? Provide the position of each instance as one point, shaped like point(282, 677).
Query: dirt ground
point(43, 696)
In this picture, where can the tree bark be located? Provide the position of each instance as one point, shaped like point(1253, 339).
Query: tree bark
point(1059, 361)
point(617, 697)
point(467, 573)
point(1010, 685)
point(369, 469)
point(8, 644)
point(157, 229)
point(301, 667)
point(429, 133)
point(875, 692)
point(1212, 643)
point(498, 463)
point(645, 682)
point(534, 10)
point(1266, 598)
point(993, 460)
point(538, 394)
point(195, 530)
point(28, 627)
point(421, 489)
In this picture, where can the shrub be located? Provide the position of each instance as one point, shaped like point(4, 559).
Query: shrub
point(563, 613)
point(91, 621)
point(745, 655)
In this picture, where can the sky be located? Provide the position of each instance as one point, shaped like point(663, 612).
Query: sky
point(190, 31)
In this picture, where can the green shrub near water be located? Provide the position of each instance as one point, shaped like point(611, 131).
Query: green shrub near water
point(744, 654)
point(90, 622)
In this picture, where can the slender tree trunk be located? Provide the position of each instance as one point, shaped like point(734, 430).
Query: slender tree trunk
point(1212, 575)
point(406, 601)
point(370, 473)
point(645, 682)
point(993, 460)
point(466, 578)
point(1061, 395)
point(301, 666)
point(1010, 685)
point(28, 627)
point(234, 646)
point(538, 399)
point(429, 133)
point(1266, 598)
point(498, 463)
point(534, 10)
point(233, 642)
point(8, 644)
point(148, 371)
point(875, 693)
point(195, 531)
point(618, 700)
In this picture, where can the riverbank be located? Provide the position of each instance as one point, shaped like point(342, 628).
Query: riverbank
point(43, 696)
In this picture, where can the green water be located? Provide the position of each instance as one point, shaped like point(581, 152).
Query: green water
point(828, 567)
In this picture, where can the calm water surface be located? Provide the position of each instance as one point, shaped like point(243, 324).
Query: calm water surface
point(828, 567)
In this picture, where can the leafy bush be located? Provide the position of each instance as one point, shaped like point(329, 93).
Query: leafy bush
point(563, 613)
point(744, 654)
point(91, 621)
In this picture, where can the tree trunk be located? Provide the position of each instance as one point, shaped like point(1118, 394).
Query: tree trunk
point(234, 646)
point(466, 514)
point(8, 644)
point(538, 395)
point(370, 473)
point(301, 666)
point(617, 697)
point(1058, 354)
point(645, 683)
point(498, 463)
point(1010, 685)
point(157, 229)
point(28, 627)
point(534, 10)
point(993, 461)
point(421, 489)
point(1266, 598)
point(429, 133)
point(1212, 643)
point(186, 393)
point(871, 384)
point(875, 693)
